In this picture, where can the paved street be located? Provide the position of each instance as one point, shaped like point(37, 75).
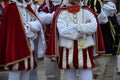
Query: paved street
point(110, 72)
point(41, 72)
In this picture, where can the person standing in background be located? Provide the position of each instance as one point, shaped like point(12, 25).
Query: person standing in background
point(34, 72)
point(71, 40)
point(117, 36)
point(46, 12)
point(17, 43)
point(105, 11)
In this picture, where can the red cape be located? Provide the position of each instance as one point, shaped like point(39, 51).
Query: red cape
point(100, 48)
point(14, 45)
point(52, 47)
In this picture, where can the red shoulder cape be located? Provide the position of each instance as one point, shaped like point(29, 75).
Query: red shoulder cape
point(14, 46)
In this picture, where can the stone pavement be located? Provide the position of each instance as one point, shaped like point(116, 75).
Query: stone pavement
point(110, 72)
point(41, 73)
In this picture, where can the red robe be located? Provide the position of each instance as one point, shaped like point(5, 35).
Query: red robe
point(14, 45)
point(52, 47)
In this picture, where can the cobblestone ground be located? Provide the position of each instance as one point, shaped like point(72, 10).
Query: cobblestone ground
point(110, 73)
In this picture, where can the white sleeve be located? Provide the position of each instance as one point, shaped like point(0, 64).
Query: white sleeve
point(35, 25)
point(64, 29)
point(91, 27)
point(46, 18)
point(102, 17)
point(109, 8)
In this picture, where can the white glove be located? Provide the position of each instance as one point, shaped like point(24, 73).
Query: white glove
point(29, 32)
point(109, 8)
point(102, 17)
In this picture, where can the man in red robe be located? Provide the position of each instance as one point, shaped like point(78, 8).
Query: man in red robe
point(19, 28)
point(71, 27)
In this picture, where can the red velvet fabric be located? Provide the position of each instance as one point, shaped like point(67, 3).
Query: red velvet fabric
point(52, 46)
point(14, 46)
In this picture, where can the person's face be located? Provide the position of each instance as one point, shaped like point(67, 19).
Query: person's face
point(74, 2)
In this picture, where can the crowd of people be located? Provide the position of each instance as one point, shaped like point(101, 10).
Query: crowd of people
point(76, 36)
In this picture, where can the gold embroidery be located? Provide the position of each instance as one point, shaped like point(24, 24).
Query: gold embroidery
point(112, 29)
point(82, 43)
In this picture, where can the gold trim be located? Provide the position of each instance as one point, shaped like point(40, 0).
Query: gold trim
point(17, 61)
point(112, 30)
point(101, 3)
point(100, 52)
point(107, 54)
point(95, 5)
point(24, 32)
